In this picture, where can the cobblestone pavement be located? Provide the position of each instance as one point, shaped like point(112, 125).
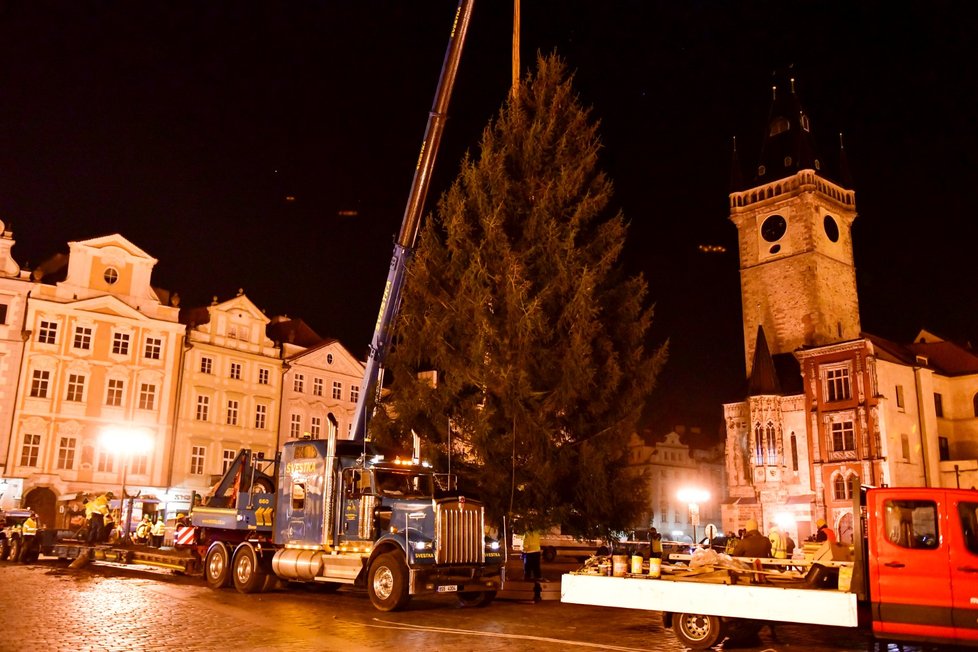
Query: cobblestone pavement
point(47, 606)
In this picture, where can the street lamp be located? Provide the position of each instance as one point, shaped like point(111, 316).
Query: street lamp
point(128, 442)
point(693, 498)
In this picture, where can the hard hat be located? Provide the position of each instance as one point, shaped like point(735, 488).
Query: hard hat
point(820, 522)
point(751, 525)
point(181, 515)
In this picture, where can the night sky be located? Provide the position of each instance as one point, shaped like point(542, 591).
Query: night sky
point(185, 126)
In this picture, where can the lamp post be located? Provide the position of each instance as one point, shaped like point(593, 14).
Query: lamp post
point(693, 498)
point(128, 442)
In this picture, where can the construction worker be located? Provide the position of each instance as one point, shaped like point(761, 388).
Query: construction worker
point(158, 530)
point(824, 532)
point(96, 525)
point(753, 544)
point(29, 527)
point(779, 542)
point(143, 530)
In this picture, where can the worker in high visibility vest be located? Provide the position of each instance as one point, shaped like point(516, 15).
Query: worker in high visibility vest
point(29, 527)
point(159, 529)
point(779, 543)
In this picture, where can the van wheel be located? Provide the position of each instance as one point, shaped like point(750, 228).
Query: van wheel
point(217, 566)
point(16, 549)
point(387, 583)
point(249, 575)
point(4, 549)
point(697, 631)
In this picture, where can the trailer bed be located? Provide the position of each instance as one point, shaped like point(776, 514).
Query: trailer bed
point(757, 602)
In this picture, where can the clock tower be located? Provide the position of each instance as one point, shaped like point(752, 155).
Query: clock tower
point(794, 226)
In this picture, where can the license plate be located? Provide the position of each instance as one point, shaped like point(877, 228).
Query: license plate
point(451, 588)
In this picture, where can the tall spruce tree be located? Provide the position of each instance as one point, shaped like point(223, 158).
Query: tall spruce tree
point(516, 298)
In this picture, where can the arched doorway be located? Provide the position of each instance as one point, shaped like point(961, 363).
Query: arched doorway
point(845, 529)
point(43, 501)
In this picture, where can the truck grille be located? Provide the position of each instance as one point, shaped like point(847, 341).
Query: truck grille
point(459, 528)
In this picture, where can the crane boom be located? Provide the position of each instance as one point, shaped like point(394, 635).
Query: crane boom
point(390, 301)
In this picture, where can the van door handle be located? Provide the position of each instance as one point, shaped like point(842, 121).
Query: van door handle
point(894, 564)
point(968, 569)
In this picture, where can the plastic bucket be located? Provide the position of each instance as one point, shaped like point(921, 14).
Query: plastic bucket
point(655, 567)
point(636, 564)
point(619, 565)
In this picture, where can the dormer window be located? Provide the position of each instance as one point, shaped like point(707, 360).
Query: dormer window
point(110, 275)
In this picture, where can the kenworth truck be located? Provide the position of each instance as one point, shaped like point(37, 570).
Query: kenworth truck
point(914, 577)
point(342, 515)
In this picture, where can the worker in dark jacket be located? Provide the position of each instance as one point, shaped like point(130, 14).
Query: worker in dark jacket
point(754, 544)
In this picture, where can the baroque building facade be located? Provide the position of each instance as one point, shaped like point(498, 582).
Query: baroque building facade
point(826, 401)
point(94, 360)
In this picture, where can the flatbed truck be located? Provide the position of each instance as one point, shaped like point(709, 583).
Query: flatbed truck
point(914, 577)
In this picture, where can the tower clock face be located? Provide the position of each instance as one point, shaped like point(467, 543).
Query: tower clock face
point(773, 228)
point(831, 228)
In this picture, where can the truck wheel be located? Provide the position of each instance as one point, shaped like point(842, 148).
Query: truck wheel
point(4, 549)
point(697, 631)
point(476, 598)
point(249, 575)
point(16, 550)
point(387, 583)
point(549, 553)
point(217, 566)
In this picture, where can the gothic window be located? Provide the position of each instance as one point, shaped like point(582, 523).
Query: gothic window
point(758, 444)
point(794, 452)
point(772, 444)
point(839, 487)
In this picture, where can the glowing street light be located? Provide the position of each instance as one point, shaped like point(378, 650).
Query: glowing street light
point(693, 498)
point(128, 442)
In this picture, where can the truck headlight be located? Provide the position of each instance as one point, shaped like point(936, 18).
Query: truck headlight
point(422, 545)
point(494, 545)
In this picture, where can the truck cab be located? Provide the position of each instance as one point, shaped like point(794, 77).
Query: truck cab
point(923, 563)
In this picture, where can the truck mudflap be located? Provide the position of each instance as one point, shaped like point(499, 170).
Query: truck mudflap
point(455, 579)
point(755, 602)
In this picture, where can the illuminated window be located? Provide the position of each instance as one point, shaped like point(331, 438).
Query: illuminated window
point(83, 338)
point(232, 412)
point(147, 396)
point(153, 349)
point(40, 381)
point(76, 388)
point(31, 449)
point(105, 462)
point(228, 457)
point(197, 460)
point(120, 343)
point(113, 396)
point(203, 408)
point(66, 453)
point(843, 436)
point(836, 385)
point(138, 464)
point(47, 332)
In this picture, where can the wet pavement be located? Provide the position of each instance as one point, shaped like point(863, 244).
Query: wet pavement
point(47, 606)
